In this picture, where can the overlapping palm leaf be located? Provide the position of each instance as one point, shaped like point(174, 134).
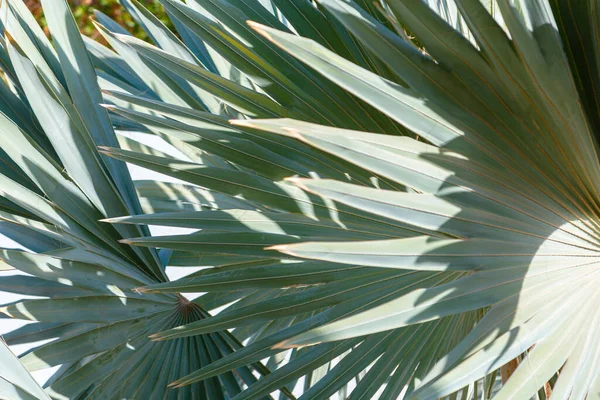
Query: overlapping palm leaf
point(415, 264)
point(494, 216)
point(15, 381)
point(56, 188)
point(255, 168)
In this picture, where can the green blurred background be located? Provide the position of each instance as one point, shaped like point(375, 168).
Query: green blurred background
point(84, 11)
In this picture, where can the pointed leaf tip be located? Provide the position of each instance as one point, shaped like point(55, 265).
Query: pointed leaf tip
point(155, 337)
point(299, 182)
point(109, 220)
point(4, 310)
point(253, 24)
point(281, 346)
point(9, 37)
point(277, 247)
point(115, 220)
point(242, 122)
point(260, 29)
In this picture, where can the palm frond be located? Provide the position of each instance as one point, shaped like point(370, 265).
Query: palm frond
point(405, 200)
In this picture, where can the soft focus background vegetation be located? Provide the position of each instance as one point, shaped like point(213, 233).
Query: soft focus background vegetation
point(84, 12)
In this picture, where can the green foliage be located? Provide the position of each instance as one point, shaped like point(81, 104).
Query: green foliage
point(389, 199)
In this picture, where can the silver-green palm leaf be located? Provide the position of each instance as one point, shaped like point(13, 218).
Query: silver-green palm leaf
point(406, 198)
point(473, 248)
point(56, 190)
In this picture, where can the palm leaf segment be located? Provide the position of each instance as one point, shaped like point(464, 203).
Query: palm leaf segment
point(495, 216)
point(431, 263)
point(56, 188)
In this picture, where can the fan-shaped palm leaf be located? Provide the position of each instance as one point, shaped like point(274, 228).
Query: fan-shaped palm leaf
point(415, 264)
point(498, 219)
point(56, 187)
